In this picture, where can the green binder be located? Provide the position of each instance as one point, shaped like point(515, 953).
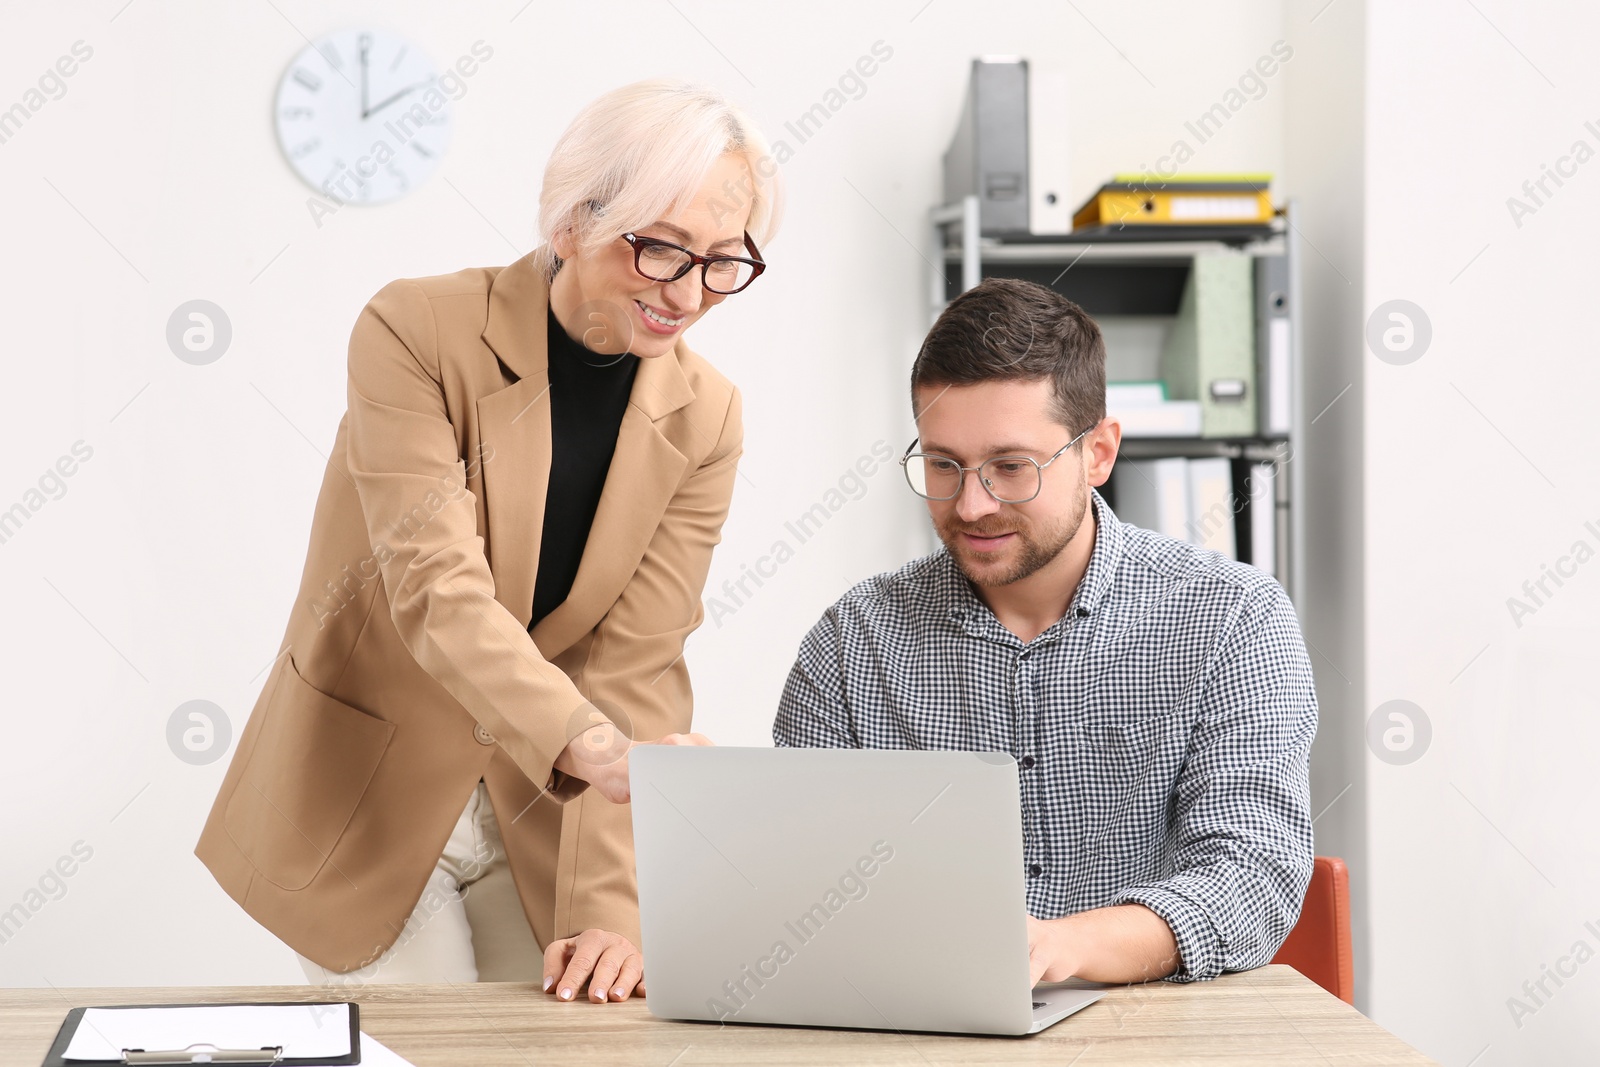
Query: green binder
point(1210, 353)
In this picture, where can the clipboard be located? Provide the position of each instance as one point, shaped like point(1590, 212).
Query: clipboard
point(262, 1057)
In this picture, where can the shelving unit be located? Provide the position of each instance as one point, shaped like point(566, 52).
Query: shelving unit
point(1141, 273)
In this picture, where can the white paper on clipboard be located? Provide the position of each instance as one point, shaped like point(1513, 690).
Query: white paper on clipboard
point(306, 1031)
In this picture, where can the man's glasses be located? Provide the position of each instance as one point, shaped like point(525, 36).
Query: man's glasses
point(1009, 479)
point(663, 261)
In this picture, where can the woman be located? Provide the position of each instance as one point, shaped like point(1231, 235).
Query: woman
point(507, 554)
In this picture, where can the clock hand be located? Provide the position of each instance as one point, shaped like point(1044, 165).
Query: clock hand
point(410, 88)
point(366, 42)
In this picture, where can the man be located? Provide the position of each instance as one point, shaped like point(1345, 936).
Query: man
point(1156, 696)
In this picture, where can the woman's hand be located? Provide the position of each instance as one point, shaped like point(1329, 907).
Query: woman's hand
point(599, 756)
point(609, 962)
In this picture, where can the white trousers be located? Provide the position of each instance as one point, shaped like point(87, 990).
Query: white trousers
point(468, 926)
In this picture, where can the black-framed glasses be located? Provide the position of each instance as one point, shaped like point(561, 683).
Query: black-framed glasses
point(663, 261)
point(1009, 479)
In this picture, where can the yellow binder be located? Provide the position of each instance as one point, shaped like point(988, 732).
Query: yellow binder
point(1193, 200)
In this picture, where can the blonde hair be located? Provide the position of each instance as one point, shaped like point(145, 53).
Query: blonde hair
point(638, 155)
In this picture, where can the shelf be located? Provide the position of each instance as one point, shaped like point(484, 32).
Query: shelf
point(1140, 233)
point(1121, 271)
point(1146, 241)
point(1258, 448)
point(1062, 250)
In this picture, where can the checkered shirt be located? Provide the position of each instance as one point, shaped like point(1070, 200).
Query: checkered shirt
point(1162, 728)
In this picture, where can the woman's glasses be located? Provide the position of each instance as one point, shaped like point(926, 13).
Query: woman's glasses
point(663, 261)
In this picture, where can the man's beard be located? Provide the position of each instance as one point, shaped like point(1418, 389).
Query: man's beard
point(1039, 545)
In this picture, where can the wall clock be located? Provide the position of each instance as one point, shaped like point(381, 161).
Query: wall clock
point(361, 117)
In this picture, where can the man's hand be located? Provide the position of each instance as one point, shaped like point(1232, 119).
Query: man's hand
point(1122, 943)
point(609, 962)
point(1050, 957)
point(599, 756)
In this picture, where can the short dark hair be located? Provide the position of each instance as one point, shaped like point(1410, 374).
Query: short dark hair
point(1008, 330)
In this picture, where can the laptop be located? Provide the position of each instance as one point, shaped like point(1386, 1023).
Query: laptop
point(851, 888)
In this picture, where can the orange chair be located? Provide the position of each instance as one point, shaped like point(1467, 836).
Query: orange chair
point(1319, 945)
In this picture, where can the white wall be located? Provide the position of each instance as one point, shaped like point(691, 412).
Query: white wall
point(1466, 472)
point(164, 573)
point(1479, 469)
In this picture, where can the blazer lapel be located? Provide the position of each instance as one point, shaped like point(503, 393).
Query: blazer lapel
point(514, 428)
point(514, 422)
point(644, 474)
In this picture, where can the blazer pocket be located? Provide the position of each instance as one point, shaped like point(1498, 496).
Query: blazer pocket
point(308, 770)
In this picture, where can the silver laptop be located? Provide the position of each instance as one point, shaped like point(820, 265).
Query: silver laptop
point(837, 887)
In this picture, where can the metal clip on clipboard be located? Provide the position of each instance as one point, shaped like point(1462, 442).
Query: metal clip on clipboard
point(203, 1053)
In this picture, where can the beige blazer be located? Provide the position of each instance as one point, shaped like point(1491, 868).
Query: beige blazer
point(408, 672)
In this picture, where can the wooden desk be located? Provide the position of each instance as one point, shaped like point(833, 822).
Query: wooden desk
point(1269, 1016)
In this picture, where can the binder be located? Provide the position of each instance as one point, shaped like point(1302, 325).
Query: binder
point(1272, 345)
point(988, 156)
point(1205, 200)
point(1210, 352)
point(327, 1054)
point(1262, 487)
point(1211, 504)
point(1049, 100)
point(1154, 494)
point(1255, 526)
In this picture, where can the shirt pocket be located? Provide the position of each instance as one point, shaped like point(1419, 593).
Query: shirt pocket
point(1122, 789)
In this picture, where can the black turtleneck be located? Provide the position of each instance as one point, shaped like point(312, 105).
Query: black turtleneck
point(588, 394)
